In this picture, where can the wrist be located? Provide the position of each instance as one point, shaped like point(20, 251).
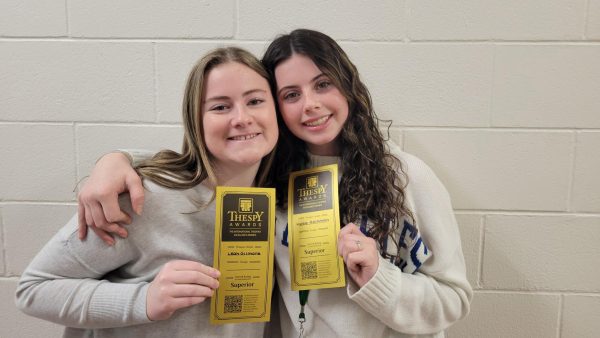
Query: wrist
point(123, 154)
point(117, 155)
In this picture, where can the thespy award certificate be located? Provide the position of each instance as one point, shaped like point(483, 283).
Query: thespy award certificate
point(244, 253)
point(313, 225)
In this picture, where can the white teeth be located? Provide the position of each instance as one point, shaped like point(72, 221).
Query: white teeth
point(317, 122)
point(243, 137)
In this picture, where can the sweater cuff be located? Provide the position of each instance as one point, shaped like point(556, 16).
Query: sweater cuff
point(110, 301)
point(377, 292)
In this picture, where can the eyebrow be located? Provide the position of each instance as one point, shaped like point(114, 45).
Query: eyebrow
point(248, 92)
point(292, 86)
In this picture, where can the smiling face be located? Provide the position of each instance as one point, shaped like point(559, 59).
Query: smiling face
point(312, 107)
point(238, 116)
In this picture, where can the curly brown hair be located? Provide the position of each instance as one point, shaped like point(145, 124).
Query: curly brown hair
point(373, 179)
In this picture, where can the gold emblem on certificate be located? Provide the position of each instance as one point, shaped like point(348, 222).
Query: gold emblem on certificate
point(314, 224)
point(244, 253)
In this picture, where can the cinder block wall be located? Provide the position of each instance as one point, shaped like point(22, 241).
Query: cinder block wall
point(501, 98)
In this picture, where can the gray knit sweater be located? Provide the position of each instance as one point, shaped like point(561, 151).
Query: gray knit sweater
point(97, 290)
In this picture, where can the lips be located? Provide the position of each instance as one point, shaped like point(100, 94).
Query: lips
point(317, 122)
point(243, 137)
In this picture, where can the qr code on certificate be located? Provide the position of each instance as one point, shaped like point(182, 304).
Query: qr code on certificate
point(233, 304)
point(309, 270)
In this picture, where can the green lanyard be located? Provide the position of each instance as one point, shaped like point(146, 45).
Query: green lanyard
point(301, 317)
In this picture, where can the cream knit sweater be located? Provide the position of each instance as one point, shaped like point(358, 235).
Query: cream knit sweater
point(393, 303)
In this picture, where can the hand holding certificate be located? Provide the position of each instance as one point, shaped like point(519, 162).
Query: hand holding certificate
point(314, 223)
point(244, 254)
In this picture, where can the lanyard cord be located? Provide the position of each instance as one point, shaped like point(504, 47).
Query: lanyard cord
point(301, 317)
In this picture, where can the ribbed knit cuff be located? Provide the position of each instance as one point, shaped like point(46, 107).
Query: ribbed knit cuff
point(120, 302)
point(139, 306)
point(376, 294)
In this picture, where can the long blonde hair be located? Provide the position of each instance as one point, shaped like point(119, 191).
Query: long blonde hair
point(188, 169)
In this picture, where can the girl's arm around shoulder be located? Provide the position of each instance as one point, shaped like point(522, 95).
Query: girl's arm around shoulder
point(64, 283)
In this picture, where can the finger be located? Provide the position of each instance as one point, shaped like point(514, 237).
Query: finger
point(112, 210)
point(362, 265)
point(367, 255)
point(136, 193)
point(87, 213)
point(98, 213)
point(354, 261)
point(179, 303)
point(349, 228)
point(346, 249)
point(183, 265)
point(190, 290)
point(104, 236)
point(98, 216)
point(82, 225)
point(116, 228)
point(357, 258)
point(350, 243)
point(194, 277)
point(342, 239)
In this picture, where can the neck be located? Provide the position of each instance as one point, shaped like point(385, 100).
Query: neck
point(330, 149)
point(239, 176)
point(321, 160)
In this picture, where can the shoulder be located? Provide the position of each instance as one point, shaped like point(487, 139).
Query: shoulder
point(158, 198)
point(415, 168)
point(419, 175)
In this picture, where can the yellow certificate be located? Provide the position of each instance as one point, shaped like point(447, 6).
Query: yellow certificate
point(314, 224)
point(244, 253)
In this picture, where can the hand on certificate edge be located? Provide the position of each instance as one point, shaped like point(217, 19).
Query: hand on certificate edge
point(359, 252)
point(179, 284)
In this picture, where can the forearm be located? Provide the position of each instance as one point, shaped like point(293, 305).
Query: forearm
point(63, 284)
point(83, 303)
point(414, 304)
point(438, 294)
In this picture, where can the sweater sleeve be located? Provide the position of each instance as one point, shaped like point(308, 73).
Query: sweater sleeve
point(438, 293)
point(64, 283)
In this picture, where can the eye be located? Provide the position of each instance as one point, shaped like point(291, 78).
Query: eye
point(255, 101)
point(291, 96)
point(324, 84)
point(218, 108)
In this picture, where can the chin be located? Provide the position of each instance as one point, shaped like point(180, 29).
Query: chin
point(249, 160)
point(321, 141)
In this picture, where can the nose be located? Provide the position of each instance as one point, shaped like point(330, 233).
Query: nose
point(311, 102)
point(242, 117)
